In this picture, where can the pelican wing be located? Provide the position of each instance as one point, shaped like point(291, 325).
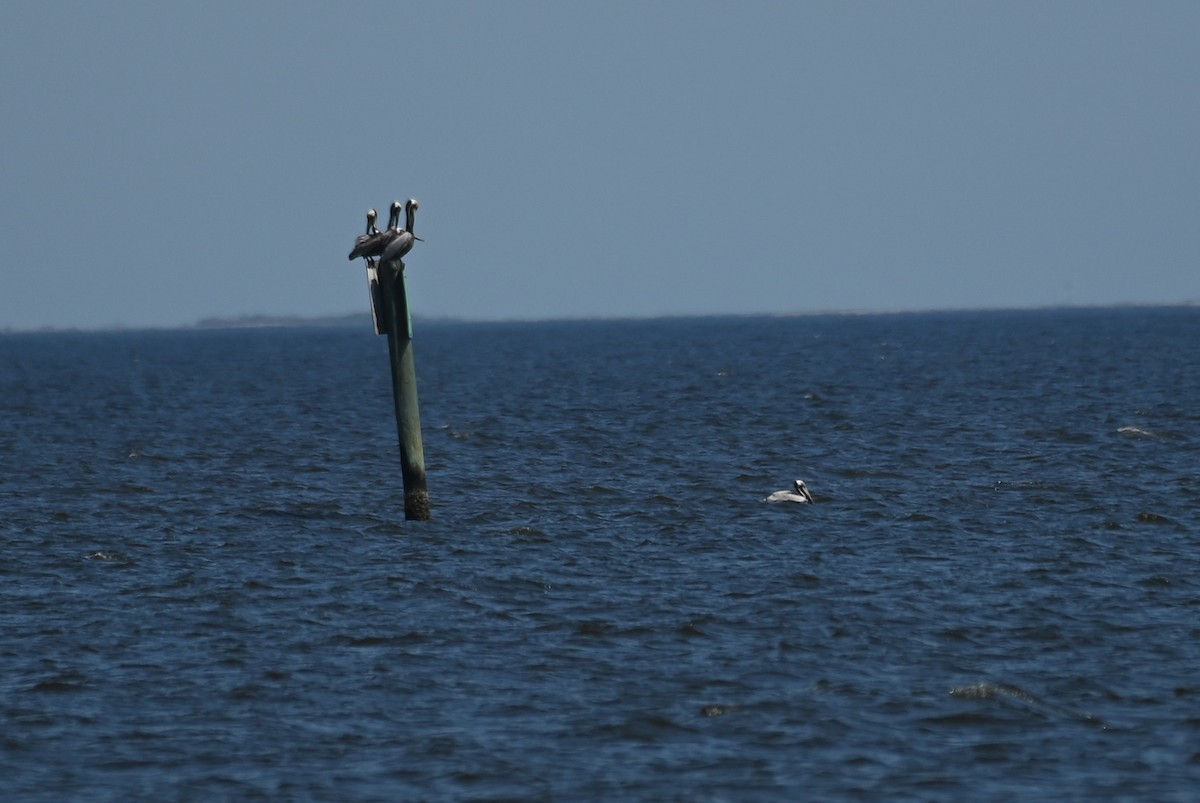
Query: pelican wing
point(368, 245)
point(400, 245)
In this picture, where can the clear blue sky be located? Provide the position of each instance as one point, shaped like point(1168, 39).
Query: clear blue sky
point(164, 162)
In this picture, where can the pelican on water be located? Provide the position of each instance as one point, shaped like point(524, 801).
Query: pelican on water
point(374, 241)
point(800, 495)
point(402, 242)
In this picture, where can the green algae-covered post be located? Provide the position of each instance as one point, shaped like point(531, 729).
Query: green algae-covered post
point(384, 252)
point(398, 326)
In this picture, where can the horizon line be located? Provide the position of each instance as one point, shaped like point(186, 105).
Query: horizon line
point(333, 320)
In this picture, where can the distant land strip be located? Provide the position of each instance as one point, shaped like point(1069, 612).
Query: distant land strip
point(363, 319)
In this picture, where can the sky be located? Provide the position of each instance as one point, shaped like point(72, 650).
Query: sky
point(168, 162)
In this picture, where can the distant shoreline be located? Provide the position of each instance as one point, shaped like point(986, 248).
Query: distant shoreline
point(357, 319)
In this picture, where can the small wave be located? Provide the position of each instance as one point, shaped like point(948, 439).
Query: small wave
point(57, 686)
point(1027, 485)
point(1060, 434)
point(860, 473)
point(397, 639)
point(988, 691)
point(1015, 695)
point(138, 454)
point(1136, 432)
point(526, 531)
point(107, 557)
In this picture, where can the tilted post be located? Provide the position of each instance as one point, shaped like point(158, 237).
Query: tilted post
point(404, 388)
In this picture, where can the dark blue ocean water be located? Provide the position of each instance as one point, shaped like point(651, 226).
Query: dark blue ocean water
point(208, 590)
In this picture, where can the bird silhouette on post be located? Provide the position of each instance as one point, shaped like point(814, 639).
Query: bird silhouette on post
point(372, 231)
point(374, 241)
point(402, 242)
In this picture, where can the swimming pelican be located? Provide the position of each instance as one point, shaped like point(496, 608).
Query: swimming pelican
point(402, 242)
point(374, 241)
point(800, 495)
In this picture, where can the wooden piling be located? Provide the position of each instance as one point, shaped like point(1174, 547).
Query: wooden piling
point(404, 388)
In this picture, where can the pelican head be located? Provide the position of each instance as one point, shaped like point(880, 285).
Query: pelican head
point(394, 217)
point(802, 489)
point(800, 494)
point(410, 217)
point(364, 244)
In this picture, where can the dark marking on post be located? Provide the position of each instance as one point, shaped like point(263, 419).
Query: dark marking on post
point(398, 324)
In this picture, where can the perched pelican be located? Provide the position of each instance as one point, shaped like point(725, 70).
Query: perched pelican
point(402, 242)
point(800, 495)
point(371, 231)
point(374, 241)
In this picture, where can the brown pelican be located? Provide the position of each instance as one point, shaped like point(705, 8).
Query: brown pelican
point(374, 241)
point(402, 242)
point(800, 495)
point(371, 231)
